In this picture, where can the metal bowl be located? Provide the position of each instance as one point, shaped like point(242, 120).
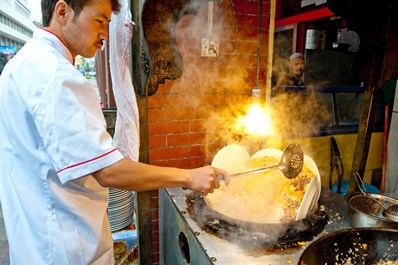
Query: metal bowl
point(353, 246)
point(366, 216)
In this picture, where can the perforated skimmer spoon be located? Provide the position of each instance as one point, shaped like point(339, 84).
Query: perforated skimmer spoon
point(290, 165)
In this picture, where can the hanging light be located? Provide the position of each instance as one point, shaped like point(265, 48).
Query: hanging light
point(258, 120)
point(256, 91)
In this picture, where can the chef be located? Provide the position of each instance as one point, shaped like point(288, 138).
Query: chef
point(57, 160)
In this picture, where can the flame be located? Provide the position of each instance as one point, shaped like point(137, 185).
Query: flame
point(258, 120)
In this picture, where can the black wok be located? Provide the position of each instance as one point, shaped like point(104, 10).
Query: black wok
point(353, 246)
point(251, 235)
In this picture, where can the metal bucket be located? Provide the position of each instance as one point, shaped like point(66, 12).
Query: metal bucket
point(315, 39)
point(367, 216)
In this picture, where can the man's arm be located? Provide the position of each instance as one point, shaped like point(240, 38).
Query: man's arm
point(131, 175)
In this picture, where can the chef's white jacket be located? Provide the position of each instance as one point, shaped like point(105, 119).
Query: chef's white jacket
point(52, 137)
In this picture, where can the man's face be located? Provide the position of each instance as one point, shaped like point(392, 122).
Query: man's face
point(297, 66)
point(84, 34)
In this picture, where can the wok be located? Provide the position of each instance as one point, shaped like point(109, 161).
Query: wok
point(252, 235)
point(353, 246)
point(223, 160)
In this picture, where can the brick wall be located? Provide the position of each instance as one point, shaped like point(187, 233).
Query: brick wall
point(185, 116)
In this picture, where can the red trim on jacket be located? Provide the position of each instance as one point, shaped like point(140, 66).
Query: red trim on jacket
point(85, 162)
point(73, 58)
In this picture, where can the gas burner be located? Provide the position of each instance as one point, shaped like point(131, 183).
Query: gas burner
point(255, 236)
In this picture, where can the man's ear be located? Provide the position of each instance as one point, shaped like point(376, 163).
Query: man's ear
point(62, 11)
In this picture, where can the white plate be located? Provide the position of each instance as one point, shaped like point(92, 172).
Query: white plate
point(232, 158)
point(313, 191)
point(268, 152)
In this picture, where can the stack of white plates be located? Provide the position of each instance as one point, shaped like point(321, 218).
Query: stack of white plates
point(313, 192)
point(120, 208)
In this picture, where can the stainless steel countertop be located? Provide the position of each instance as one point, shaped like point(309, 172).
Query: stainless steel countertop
point(4, 259)
point(224, 252)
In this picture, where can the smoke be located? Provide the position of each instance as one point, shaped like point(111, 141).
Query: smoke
point(300, 114)
point(219, 89)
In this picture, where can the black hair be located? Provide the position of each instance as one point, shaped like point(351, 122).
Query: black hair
point(47, 8)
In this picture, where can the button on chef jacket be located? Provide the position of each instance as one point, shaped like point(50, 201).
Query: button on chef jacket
point(52, 137)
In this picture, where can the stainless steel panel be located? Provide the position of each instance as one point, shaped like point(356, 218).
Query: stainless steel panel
point(205, 248)
point(178, 244)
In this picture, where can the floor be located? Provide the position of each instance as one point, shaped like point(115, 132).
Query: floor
point(4, 259)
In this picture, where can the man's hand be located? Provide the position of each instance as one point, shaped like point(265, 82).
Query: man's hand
point(205, 179)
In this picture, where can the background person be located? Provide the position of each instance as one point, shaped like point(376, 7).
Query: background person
point(57, 160)
point(296, 69)
point(294, 76)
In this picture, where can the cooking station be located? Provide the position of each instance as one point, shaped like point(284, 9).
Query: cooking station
point(184, 241)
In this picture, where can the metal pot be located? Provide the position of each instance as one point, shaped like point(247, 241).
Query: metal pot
point(364, 217)
point(353, 246)
point(315, 39)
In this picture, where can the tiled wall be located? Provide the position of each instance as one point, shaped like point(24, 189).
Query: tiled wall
point(185, 114)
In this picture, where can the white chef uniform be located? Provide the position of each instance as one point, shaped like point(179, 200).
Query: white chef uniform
point(52, 137)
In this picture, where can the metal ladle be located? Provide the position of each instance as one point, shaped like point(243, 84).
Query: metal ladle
point(290, 165)
point(390, 212)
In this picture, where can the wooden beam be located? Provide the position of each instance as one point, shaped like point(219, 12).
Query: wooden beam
point(364, 137)
point(143, 199)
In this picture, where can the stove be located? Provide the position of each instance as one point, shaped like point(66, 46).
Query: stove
point(185, 239)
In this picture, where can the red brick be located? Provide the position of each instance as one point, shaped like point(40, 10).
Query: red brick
point(163, 90)
point(155, 225)
point(196, 126)
point(204, 112)
point(160, 163)
point(169, 153)
point(168, 127)
point(187, 163)
point(155, 237)
point(155, 247)
point(156, 101)
point(196, 150)
point(154, 214)
point(174, 101)
point(185, 139)
point(157, 141)
point(154, 193)
point(155, 258)
point(247, 33)
point(181, 113)
point(157, 115)
point(154, 203)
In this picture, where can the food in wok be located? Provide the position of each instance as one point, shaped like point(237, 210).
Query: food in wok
point(376, 246)
point(266, 197)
